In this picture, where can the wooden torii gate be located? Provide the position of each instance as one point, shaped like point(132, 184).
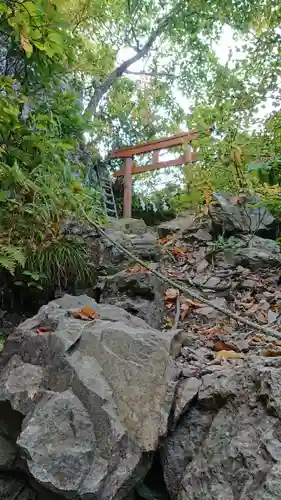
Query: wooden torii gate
point(129, 169)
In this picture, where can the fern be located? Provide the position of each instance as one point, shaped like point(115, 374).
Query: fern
point(11, 257)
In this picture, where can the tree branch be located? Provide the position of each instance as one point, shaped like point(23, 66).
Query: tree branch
point(120, 70)
point(152, 74)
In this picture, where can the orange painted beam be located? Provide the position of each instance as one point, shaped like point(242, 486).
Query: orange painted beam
point(182, 160)
point(157, 144)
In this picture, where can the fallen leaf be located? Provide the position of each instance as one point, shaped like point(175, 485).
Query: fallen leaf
point(260, 337)
point(220, 345)
point(137, 269)
point(25, 43)
point(43, 329)
point(171, 294)
point(86, 313)
point(167, 239)
point(276, 308)
point(184, 309)
point(271, 353)
point(276, 342)
point(169, 322)
point(178, 251)
point(194, 303)
point(215, 330)
point(228, 354)
point(253, 309)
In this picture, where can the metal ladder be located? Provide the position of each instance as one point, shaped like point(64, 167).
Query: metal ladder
point(108, 197)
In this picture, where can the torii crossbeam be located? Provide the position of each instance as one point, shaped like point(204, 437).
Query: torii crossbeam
point(128, 153)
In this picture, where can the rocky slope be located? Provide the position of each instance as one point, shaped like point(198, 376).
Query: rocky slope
point(149, 393)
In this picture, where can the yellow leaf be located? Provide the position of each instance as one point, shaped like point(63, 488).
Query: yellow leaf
point(26, 45)
point(229, 354)
point(260, 337)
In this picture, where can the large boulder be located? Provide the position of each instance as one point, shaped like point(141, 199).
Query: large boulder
point(253, 252)
point(95, 396)
point(227, 444)
point(232, 214)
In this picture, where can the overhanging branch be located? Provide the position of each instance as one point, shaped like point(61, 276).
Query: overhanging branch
point(157, 74)
point(120, 70)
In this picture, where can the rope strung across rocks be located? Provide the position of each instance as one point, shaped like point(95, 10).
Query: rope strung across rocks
point(184, 289)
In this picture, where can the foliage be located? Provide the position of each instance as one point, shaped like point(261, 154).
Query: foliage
point(122, 60)
point(41, 127)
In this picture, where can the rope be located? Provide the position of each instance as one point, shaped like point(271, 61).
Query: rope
point(184, 289)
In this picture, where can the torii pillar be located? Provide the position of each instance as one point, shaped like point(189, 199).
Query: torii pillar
point(128, 181)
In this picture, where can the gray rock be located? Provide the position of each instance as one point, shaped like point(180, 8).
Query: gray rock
point(203, 234)
point(21, 384)
point(181, 446)
point(59, 440)
point(13, 488)
point(183, 222)
point(249, 284)
point(8, 453)
point(211, 313)
point(202, 266)
point(140, 293)
point(185, 393)
point(129, 226)
point(113, 260)
point(212, 282)
point(227, 444)
point(253, 252)
point(246, 218)
point(97, 396)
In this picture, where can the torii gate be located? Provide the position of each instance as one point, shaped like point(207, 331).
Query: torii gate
point(183, 139)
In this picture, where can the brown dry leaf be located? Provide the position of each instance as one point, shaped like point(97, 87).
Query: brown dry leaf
point(220, 345)
point(86, 313)
point(229, 354)
point(184, 310)
point(276, 342)
point(178, 251)
point(271, 353)
point(214, 330)
point(253, 309)
point(137, 268)
point(25, 43)
point(275, 308)
point(194, 303)
point(171, 294)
